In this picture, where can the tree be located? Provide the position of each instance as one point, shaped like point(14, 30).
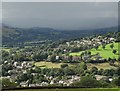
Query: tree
point(96, 47)
point(39, 78)
point(116, 81)
point(4, 54)
point(89, 53)
point(19, 57)
point(39, 56)
point(112, 61)
point(103, 46)
point(118, 71)
point(53, 58)
point(114, 51)
point(64, 65)
point(70, 58)
point(111, 46)
point(87, 81)
point(83, 66)
point(94, 70)
point(68, 71)
point(23, 77)
point(7, 83)
point(82, 54)
point(108, 72)
point(6, 68)
point(100, 72)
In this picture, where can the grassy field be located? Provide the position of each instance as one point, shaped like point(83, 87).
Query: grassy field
point(5, 49)
point(89, 65)
point(102, 65)
point(73, 89)
point(48, 64)
point(105, 53)
point(44, 64)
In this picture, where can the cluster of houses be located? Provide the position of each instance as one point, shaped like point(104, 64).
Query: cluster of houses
point(99, 77)
point(22, 67)
point(62, 82)
point(18, 68)
point(99, 40)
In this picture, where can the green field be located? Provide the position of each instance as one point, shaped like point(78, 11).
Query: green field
point(73, 89)
point(105, 53)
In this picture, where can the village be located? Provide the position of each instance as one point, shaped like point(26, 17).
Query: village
point(19, 65)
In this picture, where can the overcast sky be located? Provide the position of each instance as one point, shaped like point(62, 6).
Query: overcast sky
point(66, 16)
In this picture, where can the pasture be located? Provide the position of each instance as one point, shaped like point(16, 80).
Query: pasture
point(105, 53)
point(102, 65)
point(44, 64)
point(5, 49)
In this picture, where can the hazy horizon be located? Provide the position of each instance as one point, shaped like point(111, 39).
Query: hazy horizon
point(60, 16)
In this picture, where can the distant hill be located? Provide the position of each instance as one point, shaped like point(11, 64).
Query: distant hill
point(15, 35)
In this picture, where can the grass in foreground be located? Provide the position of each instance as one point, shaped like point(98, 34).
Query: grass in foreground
point(73, 89)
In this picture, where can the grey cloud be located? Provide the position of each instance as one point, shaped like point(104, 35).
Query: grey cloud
point(61, 15)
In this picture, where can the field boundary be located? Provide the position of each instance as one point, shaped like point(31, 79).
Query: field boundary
point(44, 87)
